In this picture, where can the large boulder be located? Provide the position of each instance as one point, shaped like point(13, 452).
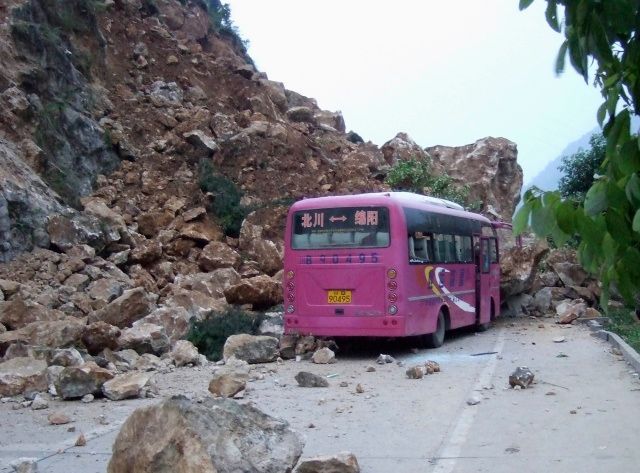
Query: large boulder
point(489, 167)
point(229, 380)
point(22, 374)
point(184, 352)
point(127, 385)
point(251, 348)
point(260, 291)
point(175, 321)
point(402, 148)
point(56, 334)
point(218, 255)
point(196, 303)
point(570, 274)
point(343, 462)
point(218, 435)
point(77, 381)
point(519, 266)
point(17, 313)
point(210, 284)
point(100, 335)
point(132, 305)
point(255, 245)
point(145, 338)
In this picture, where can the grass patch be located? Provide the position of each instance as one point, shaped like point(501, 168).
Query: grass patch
point(210, 334)
point(625, 323)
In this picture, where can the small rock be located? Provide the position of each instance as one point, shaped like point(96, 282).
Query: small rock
point(310, 380)
point(370, 369)
point(87, 398)
point(81, 441)
point(25, 465)
point(344, 384)
point(415, 372)
point(473, 400)
point(324, 356)
point(359, 388)
point(382, 359)
point(522, 377)
point(39, 402)
point(559, 340)
point(432, 367)
point(58, 418)
point(573, 411)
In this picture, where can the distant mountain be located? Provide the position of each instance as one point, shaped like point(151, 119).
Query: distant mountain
point(549, 178)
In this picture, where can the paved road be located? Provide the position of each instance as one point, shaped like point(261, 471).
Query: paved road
point(583, 413)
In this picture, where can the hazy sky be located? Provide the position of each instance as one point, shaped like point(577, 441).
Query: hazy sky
point(446, 72)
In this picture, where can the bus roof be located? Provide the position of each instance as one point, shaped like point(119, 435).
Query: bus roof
point(408, 199)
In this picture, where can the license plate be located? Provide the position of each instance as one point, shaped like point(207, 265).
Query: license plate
point(339, 297)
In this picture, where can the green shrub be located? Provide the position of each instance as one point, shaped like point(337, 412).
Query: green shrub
point(210, 334)
point(226, 202)
point(414, 175)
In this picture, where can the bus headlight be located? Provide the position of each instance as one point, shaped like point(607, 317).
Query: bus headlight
point(393, 310)
point(391, 273)
point(290, 309)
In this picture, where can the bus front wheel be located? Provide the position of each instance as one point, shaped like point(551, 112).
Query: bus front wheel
point(436, 339)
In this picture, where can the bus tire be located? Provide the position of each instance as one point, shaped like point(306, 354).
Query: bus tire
point(482, 327)
point(436, 339)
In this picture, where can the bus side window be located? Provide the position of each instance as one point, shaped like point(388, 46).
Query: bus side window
point(418, 248)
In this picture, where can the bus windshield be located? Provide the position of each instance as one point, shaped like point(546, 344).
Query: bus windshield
point(343, 227)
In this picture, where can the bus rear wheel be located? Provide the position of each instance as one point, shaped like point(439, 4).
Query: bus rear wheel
point(435, 339)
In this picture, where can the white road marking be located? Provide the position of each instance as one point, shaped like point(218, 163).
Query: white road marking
point(452, 447)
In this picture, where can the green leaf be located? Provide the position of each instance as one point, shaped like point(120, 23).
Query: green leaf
point(540, 221)
point(596, 199)
point(524, 4)
point(602, 113)
point(632, 190)
point(618, 131)
point(636, 222)
point(565, 215)
point(521, 219)
point(562, 54)
point(551, 14)
point(618, 227)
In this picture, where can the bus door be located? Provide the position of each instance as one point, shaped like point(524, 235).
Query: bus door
point(483, 282)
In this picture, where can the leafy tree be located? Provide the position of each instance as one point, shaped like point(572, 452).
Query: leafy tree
point(600, 35)
point(414, 175)
point(579, 169)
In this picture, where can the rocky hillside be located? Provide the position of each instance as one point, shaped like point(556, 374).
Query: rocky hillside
point(135, 137)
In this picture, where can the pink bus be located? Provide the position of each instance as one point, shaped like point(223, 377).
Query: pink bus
point(390, 264)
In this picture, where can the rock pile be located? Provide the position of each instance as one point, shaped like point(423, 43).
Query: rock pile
point(548, 283)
